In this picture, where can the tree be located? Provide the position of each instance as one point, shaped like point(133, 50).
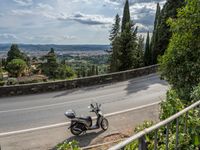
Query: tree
point(114, 38)
point(15, 53)
point(97, 70)
point(126, 17)
point(154, 39)
point(65, 72)
point(147, 53)
point(115, 29)
point(50, 67)
point(163, 32)
point(180, 65)
point(128, 44)
point(16, 67)
point(140, 52)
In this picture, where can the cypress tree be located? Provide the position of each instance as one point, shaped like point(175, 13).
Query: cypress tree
point(126, 16)
point(154, 38)
point(115, 29)
point(128, 44)
point(147, 54)
point(114, 38)
point(164, 34)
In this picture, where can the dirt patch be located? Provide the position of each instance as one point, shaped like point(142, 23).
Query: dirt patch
point(110, 140)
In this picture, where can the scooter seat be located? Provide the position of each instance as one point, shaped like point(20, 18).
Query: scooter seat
point(86, 120)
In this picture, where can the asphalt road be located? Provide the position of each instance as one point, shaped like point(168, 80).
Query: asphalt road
point(24, 112)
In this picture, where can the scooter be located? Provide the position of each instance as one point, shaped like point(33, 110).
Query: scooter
point(82, 124)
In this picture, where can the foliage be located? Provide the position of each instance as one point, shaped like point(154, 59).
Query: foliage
point(12, 81)
point(64, 72)
point(50, 67)
point(32, 79)
point(180, 64)
point(126, 19)
point(1, 74)
point(2, 83)
point(15, 53)
point(68, 146)
point(188, 140)
point(154, 39)
point(140, 52)
point(115, 41)
point(16, 67)
point(162, 33)
point(127, 48)
point(147, 53)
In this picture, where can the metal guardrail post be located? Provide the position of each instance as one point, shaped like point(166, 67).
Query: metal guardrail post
point(156, 139)
point(142, 143)
point(167, 137)
point(177, 132)
point(185, 124)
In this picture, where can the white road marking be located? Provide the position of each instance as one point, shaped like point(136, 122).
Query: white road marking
point(68, 123)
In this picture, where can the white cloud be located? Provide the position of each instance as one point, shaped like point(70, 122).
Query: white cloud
point(8, 36)
point(24, 2)
point(87, 19)
point(22, 12)
point(44, 6)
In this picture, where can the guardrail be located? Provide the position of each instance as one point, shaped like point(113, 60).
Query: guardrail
point(76, 83)
point(140, 136)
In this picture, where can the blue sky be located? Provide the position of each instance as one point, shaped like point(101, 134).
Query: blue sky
point(68, 21)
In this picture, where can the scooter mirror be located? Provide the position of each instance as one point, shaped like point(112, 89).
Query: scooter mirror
point(99, 105)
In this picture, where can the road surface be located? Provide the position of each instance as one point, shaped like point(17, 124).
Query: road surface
point(25, 112)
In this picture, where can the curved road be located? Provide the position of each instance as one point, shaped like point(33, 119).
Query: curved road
point(17, 113)
point(25, 112)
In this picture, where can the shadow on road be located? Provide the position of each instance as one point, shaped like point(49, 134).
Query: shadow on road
point(83, 140)
point(135, 86)
point(89, 88)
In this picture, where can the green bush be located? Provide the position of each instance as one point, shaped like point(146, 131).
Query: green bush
point(16, 67)
point(65, 72)
point(12, 81)
point(68, 146)
point(180, 64)
point(189, 140)
point(1, 74)
point(32, 79)
point(2, 83)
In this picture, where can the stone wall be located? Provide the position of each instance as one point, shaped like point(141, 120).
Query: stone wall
point(76, 83)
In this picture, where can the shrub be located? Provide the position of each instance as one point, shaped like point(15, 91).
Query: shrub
point(189, 140)
point(16, 67)
point(12, 81)
point(65, 72)
point(68, 146)
point(2, 83)
point(32, 79)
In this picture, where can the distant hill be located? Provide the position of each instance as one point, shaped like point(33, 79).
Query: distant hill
point(47, 47)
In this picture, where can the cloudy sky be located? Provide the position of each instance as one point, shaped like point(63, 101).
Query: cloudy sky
point(68, 21)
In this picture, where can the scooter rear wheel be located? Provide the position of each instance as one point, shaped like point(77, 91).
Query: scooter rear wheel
point(74, 131)
point(104, 124)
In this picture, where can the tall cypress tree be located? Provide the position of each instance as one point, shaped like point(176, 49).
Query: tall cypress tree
point(114, 38)
point(128, 44)
point(147, 54)
point(126, 16)
point(154, 39)
point(164, 34)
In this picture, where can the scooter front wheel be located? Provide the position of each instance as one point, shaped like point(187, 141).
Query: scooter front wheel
point(104, 124)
